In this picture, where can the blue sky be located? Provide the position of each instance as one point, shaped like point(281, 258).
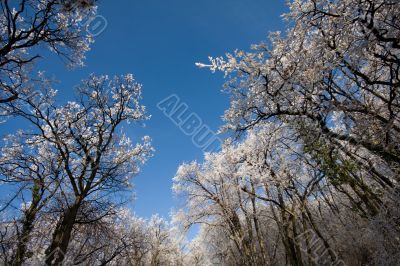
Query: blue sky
point(159, 42)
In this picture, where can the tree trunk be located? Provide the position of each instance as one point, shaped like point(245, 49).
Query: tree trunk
point(56, 251)
point(27, 225)
point(24, 236)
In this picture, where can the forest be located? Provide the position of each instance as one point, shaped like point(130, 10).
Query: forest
point(307, 174)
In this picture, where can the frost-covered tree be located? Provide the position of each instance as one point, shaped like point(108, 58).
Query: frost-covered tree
point(335, 73)
point(94, 159)
point(28, 26)
point(235, 190)
point(165, 243)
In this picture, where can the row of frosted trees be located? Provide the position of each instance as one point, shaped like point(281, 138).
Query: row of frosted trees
point(312, 175)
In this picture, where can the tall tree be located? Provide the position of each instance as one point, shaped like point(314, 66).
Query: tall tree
point(96, 160)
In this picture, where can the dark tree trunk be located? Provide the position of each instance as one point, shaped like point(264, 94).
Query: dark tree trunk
point(24, 236)
point(62, 234)
point(27, 225)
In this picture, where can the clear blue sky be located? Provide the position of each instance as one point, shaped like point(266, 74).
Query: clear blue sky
point(159, 41)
